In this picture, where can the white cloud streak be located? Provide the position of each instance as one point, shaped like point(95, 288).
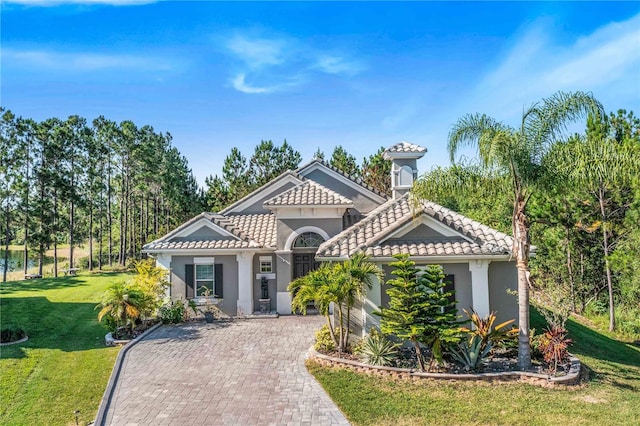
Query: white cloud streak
point(281, 63)
point(63, 61)
point(605, 61)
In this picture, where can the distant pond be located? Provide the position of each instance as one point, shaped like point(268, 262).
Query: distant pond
point(16, 260)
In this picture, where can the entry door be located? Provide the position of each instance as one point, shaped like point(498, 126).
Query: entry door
point(303, 263)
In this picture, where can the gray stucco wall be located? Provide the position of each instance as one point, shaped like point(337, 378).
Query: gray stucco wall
point(256, 207)
point(503, 278)
point(419, 232)
point(362, 202)
point(229, 278)
point(203, 233)
point(257, 282)
point(287, 226)
point(284, 271)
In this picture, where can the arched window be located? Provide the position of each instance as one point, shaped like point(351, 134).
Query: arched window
point(405, 176)
point(308, 240)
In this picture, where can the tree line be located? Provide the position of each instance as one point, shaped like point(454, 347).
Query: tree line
point(116, 186)
point(577, 196)
point(240, 176)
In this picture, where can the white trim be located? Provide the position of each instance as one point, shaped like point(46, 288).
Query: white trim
point(269, 276)
point(316, 165)
point(199, 224)
point(308, 212)
point(248, 200)
point(295, 234)
point(193, 252)
point(245, 284)
point(439, 259)
point(204, 260)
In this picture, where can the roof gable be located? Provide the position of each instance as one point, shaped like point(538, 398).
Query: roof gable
point(283, 182)
point(351, 181)
point(308, 193)
point(375, 234)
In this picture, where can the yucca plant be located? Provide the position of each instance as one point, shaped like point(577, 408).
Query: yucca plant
point(376, 349)
point(553, 344)
point(470, 352)
point(486, 332)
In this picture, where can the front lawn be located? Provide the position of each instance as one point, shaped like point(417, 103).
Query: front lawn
point(65, 365)
point(611, 397)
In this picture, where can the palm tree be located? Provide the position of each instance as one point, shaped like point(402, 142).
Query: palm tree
point(519, 153)
point(123, 303)
point(338, 283)
point(359, 274)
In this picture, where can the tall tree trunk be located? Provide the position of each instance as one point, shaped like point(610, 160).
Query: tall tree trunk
point(109, 215)
point(521, 248)
point(5, 267)
point(90, 236)
point(100, 229)
point(26, 211)
point(605, 241)
point(55, 232)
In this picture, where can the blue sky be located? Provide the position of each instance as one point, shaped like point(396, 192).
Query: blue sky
point(361, 75)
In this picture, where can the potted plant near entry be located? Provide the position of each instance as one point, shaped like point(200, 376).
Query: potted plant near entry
point(209, 305)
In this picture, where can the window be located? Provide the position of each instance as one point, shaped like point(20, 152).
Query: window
point(266, 265)
point(307, 240)
point(404, 176)
point(204, 279)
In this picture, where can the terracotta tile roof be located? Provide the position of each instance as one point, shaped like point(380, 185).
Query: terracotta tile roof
point(308, 193)
point(260, 227)
point(444, 247)
point(406, 147)
point(370, 233)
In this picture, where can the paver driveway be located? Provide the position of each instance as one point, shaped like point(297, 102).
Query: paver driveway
point(244, 372)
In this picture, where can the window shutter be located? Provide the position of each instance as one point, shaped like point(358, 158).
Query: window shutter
point(189, 280)
point(217, 277)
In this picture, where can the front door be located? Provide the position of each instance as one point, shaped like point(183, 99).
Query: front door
point(303, 263)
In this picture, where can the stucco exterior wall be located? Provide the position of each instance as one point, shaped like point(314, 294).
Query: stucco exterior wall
point(229, 278)
point(503, 278)
point(286, 227)
point(256, 207)
point(203, 233)
point(362, 203)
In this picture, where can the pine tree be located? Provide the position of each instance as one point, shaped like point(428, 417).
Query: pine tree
point(376, 172)
point(419, 309)
point(342, 160)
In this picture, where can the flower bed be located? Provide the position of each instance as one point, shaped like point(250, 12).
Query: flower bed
point(571, 378)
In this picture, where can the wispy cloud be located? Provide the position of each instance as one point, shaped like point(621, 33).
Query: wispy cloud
point(50, 3)
point(51, 60)
point(606, 61)
point(281, 63)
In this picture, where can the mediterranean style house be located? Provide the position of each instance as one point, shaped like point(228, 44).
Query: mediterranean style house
point(248, 253)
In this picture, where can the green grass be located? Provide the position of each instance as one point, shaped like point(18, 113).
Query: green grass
point(65, 365)
point(612, 396)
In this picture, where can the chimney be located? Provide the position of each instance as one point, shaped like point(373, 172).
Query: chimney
point(404, 170)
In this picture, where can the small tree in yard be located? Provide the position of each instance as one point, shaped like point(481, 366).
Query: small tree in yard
point(122, 304)
point(419, 309)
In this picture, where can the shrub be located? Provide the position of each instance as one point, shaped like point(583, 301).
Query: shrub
point(324, 341)
point(376, 349)
point(11, 333)
point(173, 312)
point(471, 352)
point(553, 345)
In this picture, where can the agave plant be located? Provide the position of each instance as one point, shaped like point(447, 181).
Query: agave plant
point(488, 334)
point(376, 349)
point(470, 353)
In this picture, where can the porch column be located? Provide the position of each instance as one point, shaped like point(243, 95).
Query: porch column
point(245, 287)
point(480, 286)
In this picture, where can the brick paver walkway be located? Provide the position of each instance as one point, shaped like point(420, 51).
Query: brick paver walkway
point(244, 372)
